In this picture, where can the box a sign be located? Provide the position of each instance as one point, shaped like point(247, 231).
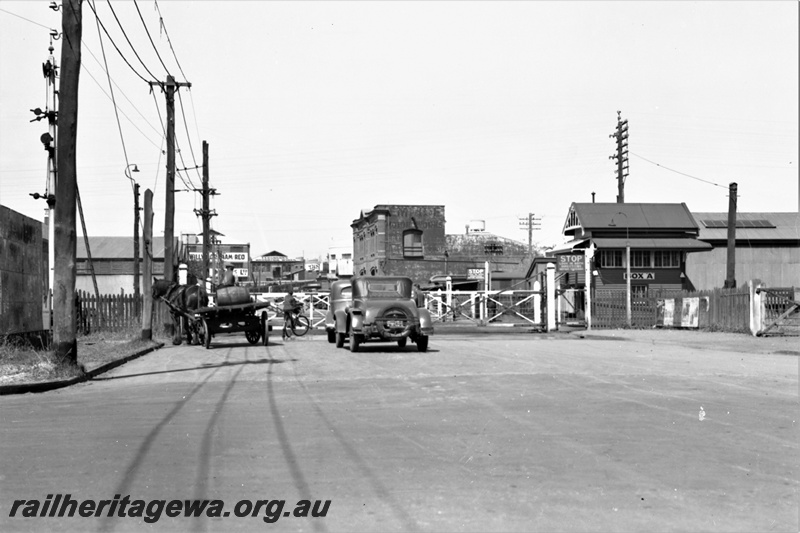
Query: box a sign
point(640, 276)
point(570, 263)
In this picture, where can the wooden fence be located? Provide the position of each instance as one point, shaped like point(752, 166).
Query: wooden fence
point(728, 309)
point(116, 312)
point(609, 310)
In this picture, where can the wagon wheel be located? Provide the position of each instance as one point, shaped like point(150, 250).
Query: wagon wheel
point(252, 336)
point(206, 334)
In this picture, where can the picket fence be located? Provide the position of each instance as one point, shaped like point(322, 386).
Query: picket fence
point(116, 312)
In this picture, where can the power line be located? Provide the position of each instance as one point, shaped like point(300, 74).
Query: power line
point(679, 172)
point(164, 27)
point(113, 99)
point(125, 34)
point(149, 36)
point(91, 5)
point(27, 20)
point(188, 137)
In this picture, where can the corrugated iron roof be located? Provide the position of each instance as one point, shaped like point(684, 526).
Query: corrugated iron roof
point(644, 216)
point(116, 247)
point(787, 227)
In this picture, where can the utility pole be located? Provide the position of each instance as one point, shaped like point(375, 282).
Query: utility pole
point(530, 223)
point(206, 213)
point(147, 315)
point(65, 345)
point(136, 251)
point(730, 278)
point(621, 135)
point(169, 212)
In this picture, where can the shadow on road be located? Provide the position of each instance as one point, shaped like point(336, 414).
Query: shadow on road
point(136, 463)
point(286, 447)
point(261, 361)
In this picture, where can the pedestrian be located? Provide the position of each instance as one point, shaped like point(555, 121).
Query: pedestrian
point(418, 295)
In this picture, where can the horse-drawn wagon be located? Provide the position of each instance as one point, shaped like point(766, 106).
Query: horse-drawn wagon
point(232, 319)
point(235, 312)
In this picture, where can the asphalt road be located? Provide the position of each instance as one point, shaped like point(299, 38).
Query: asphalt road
point(512, 432)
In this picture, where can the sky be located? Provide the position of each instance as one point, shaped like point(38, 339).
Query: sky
point(315, 111)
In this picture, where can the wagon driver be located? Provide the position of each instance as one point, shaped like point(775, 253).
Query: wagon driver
point(228, 279)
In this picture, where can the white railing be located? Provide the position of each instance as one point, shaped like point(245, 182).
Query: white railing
point(485, 307)
point(315, 305)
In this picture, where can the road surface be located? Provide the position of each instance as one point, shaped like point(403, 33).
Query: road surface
point(512, 432)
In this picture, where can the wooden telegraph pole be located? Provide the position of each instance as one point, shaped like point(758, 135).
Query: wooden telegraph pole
point(169, 212)
point(206, 214)
point(147, 282)
point(65, 345)
point(730, 278)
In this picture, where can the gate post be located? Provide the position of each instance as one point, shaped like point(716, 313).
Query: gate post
point(448, 284)
point(537, 302)
point(550, 282)
point(756, 318)
point(589, 255)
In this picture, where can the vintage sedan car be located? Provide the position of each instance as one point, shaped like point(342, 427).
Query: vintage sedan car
point(338, 300)
point(382, 309)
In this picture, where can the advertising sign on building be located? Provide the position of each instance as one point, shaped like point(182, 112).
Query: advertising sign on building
point(238, 257)
point(570, 263)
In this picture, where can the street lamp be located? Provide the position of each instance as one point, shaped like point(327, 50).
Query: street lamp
point(135, 236)
point(627, 267)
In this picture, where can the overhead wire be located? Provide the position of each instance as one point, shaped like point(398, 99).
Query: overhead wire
point(113, 98)
point(164, 27)
point(124, 33)
point(147, 30)
point(679, 172)
point(26, 19)
point(125, 59)
point(188, 137)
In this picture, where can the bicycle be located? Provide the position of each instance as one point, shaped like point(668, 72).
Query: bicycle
point(297, 323)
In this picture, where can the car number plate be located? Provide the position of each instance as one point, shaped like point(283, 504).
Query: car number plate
point(394, 324)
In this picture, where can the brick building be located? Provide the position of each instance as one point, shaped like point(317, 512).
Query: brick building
point(410, 240)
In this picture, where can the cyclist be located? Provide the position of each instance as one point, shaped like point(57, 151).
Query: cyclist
point(290, 304)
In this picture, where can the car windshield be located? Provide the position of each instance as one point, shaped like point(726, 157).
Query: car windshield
point(346, 293)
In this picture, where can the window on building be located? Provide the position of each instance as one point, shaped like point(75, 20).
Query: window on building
point(347, 256)
point(640, 259)
point(666, 259)
point(610, 258)
point(412, 243)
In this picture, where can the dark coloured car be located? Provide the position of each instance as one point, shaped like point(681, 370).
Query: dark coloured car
point(338, 300)
point(382, 309)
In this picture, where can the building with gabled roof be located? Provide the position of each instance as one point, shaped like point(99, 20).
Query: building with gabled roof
point(112, 262)
point(767, 248)
point(660, 236)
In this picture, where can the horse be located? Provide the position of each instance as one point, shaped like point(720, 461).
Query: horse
point(186, 298)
